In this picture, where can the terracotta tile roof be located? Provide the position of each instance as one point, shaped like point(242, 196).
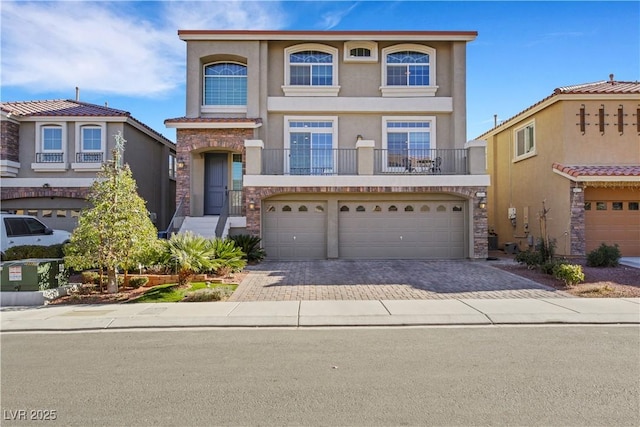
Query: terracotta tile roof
point(601, 87)
point(69, 108)
point(598, 170)
point(213, 120)
point(60, 107)
point(611, 87)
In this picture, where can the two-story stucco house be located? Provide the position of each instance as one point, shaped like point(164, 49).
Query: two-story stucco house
point(344, 144)
point(52, 150)
point(578, 150)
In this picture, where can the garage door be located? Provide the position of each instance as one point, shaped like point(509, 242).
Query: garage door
point(295, 230)
point(613, 221)
point(406, 230)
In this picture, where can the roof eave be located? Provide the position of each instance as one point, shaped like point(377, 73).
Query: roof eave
point(216, 35)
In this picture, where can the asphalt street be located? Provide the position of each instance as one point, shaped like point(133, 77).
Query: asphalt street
point(525, 375)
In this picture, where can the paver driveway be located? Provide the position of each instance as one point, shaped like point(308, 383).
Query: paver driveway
point(380, 280)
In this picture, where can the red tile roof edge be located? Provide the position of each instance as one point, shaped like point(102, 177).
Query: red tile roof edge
point(597, 170)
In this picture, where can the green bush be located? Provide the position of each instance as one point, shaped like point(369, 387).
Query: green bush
point(529, 258)
point(227, 256)
point(33, 251)
point(136, 282)
point(549, 267)
point(604, 256)
point(570, 274)
point(250, 245)
point(91, 277)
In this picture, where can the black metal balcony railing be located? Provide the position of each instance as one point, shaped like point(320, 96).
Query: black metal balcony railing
point(49, 157)
point(338, 161)
point(421, 162)
point(88, 157)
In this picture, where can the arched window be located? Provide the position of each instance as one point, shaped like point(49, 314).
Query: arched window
point(225, 84)
point(408, 208)
point(286, 208)
point(311, 69)
point(408, 70)
point(344, 208)
point(360, 209)
point(302, 208)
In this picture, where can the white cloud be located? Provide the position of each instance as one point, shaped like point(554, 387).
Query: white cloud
point(112, 47)
point(333, 18)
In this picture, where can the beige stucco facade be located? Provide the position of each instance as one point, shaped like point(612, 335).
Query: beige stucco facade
point(568, 132)
point(358, 103)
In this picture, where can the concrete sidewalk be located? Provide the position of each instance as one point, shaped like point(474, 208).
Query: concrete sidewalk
point(323, 313)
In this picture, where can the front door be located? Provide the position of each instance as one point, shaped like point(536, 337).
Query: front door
point(215, 183)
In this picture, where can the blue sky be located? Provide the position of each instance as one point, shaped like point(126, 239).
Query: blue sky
point(128, 53)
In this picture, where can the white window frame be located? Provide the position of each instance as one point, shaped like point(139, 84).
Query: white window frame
point(173, 166)
point(303, 90)
point(288, 128)
point(372, 46)
point(90, 166)
point(529, 151)
point(39, 148)
point(205, 108)
point(409, 91)
point(385, 143)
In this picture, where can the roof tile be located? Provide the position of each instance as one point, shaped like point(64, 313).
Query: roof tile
point(598, 170)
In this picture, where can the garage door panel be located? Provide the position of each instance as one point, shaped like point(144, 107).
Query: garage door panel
point(611, 226)
point(426, 230)
point(295, 230)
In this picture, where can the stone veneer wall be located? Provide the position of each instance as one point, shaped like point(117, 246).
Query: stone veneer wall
point(9, 135)
point(189, 140)
point(479, 227)
point(37, 192)
point(578, 237)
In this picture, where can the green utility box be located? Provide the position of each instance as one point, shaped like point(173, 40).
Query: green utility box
point(32, 274)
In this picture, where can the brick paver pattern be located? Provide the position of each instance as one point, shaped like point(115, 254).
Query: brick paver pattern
point(384, 280)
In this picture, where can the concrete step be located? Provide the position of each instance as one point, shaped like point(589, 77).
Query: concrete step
point(204, 226)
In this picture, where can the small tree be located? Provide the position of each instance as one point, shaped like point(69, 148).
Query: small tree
point(115, 232)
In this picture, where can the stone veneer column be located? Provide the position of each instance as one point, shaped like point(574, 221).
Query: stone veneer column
point(578, 238)
point(480, 227)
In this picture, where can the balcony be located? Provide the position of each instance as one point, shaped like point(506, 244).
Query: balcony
point(49, 157)
point(421, 162)
point(310, 162)
point(365, 166)
point(88, 157)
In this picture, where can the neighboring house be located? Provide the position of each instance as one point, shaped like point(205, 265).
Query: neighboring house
point(578, 151)
point(52, 150)
point(332, 144)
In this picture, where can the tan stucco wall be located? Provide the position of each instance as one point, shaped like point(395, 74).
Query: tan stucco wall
point(527, 183)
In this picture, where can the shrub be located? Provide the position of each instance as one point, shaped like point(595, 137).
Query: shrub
point(33, 251)
point(227, 256)
point(549, 267)
point(529, 258)
point(204, 295)
point(250, 245)
point(136, 282)
point(189, 253)
point(570, 274)
point(90, 277)
point(604, 256)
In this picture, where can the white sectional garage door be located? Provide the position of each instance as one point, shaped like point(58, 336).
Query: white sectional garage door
point(295, 230)
point(402, 230)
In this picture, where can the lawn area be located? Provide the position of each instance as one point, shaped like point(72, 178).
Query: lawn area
point(198, 291)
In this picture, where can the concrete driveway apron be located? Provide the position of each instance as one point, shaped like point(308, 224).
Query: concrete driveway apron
point(384, 280)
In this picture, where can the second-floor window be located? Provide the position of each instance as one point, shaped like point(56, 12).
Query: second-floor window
point(225, 84)
point(408, 70)
point(525, 143)
point(311, 68)
point(408, 142)
point(311, 143)
point(51, 145)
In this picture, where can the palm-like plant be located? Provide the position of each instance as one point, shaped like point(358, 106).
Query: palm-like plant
point(227, 256)
point(190, 254)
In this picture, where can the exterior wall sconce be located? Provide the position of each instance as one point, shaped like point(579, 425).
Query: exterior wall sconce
point(359, 138)
point(252, 205)
point(482, 204)
point(46, 185)
point(180, 163)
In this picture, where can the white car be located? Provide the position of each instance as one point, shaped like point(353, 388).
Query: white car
point(18, 230)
